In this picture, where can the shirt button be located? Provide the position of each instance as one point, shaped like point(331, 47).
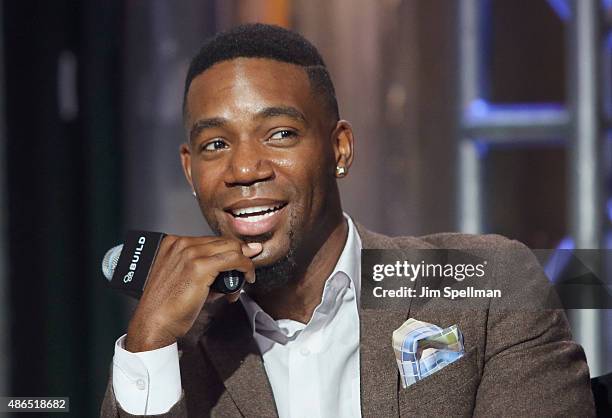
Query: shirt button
point(140, 384)
point(304, 351)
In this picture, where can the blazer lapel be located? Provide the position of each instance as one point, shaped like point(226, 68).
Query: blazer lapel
point(379, 390)
point(234, 353)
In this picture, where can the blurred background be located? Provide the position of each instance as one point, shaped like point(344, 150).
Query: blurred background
point(469, 115)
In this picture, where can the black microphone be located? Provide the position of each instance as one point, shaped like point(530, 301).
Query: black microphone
point(127, 266)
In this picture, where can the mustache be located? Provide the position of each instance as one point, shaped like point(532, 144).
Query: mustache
point(255, 190)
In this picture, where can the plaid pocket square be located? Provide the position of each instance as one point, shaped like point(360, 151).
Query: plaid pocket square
point(422, 349)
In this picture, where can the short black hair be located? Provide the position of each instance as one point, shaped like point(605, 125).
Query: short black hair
point(257, 40)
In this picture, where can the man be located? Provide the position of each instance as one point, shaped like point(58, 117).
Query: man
point(265, 147)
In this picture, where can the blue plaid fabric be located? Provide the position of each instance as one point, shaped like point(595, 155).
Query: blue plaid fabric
point(422, 349)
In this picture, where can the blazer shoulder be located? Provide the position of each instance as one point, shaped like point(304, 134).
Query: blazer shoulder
point(457, 240)
point(443, 240)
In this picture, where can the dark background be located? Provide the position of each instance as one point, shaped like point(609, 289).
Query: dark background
point(91, 127)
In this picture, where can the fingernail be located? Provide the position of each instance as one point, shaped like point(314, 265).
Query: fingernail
point(255, 246)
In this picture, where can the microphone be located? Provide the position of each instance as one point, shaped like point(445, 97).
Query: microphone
point(127, 266)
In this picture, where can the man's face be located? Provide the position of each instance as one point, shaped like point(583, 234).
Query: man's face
point(260, 156)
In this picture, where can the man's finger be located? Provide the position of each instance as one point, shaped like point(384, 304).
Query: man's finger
point(252, 249)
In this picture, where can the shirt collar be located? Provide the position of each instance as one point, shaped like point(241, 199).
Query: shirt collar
point(349, 263)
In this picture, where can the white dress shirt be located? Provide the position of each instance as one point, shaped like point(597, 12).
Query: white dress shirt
point(313, 368)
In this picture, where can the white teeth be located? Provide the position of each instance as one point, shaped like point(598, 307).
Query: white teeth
point(255, 209)
point(257, 218)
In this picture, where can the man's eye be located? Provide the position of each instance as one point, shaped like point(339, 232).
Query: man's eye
point(214, 145)
point(277, 136)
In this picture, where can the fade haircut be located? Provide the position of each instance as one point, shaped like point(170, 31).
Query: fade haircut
point(265, 41)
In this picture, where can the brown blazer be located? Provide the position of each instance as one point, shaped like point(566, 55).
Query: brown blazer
point(515, 364)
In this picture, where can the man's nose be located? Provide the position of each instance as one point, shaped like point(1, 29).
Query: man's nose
point(248, 165)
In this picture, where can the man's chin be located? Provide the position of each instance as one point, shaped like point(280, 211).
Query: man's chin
point(274, 275)
point(268, 257)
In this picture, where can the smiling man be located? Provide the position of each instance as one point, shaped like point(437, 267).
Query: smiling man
point(265, 148)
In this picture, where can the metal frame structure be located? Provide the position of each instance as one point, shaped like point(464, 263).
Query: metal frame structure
point(580, 122)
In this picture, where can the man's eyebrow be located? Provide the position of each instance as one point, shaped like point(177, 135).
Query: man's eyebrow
point(292, 112)
point(202, 124)
point(268, 112)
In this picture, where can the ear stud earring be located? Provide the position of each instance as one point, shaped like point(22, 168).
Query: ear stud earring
point(340, 171)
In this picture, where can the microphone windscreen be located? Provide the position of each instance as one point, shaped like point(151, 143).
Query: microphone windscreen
point(110, 260)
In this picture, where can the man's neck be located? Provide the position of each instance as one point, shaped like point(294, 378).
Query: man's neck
point(298, 300)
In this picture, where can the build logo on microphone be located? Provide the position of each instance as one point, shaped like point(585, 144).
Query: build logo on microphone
point(135, 258)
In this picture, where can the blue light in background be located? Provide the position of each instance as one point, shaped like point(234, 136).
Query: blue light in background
point(566, 244)
point(609, 39)
point(561, 255)
point(479, 108)
point(482, 148)
point(559, 258)
point(562, 8)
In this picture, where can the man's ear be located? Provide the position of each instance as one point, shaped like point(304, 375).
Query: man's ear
point(343, 143)
point(185, 152)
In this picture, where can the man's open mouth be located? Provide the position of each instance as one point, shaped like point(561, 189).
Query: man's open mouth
point(257, 213)
point(255, 217)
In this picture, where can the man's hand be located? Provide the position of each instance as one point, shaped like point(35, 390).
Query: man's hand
point(179, 284)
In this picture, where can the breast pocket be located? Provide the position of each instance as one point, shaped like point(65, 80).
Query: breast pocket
point(450, 391)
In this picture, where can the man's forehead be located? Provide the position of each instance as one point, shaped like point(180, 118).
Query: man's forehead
point(251, 70)
point(244, 80)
